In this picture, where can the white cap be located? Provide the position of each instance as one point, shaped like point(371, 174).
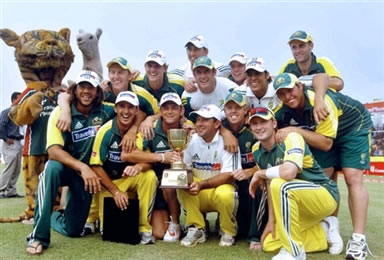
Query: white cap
point(88, 76)
point(129, 97)
point(208, 111)
point(256, 64)
point(239, 57)
point(156, 56)
point(198, 41)
point(172, 97)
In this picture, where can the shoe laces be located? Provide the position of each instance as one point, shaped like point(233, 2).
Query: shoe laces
point(191, 232)
point(358, 245)
point(172, 226)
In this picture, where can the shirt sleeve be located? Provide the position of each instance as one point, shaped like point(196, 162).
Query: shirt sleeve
point(329, 67)
point(294, 152)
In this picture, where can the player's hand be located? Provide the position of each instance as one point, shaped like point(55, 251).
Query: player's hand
point(240, 175)
point(64, 121)
point(194, 188)
point(269, 228)
point(256, 181)
point(231, 144)
point(132, 171)
point(91, 180)
point(129, 140)
point(282, 133)
point(105, 85)
point(320, 110)
point(134, 74)
point(190, 85)
point(121, 200)
point(171, 157)
point(146, 128)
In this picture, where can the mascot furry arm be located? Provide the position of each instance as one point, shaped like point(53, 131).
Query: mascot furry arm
point(43, 57)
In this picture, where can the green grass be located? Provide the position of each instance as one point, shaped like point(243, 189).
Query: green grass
point(12, 238)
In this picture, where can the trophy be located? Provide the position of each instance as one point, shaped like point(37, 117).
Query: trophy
point(178, 177)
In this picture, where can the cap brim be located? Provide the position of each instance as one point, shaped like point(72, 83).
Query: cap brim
point(266, 117)
point(196, 44)
point(258, 70)
point(155, 60)
point(94, 84)
point(109, 64)
point(299, 39)
point(239, 60)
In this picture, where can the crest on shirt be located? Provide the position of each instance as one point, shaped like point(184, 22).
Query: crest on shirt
point(115, 145)
point(97, 121)
point(248, 145)
point(78, 125)
point(270, 104)
point(160, 145)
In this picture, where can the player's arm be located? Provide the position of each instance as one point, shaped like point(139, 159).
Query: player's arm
point(336, 83)
point(320, 83)
point(128, 142)
point(65, 119)
point(138, 156)
point(231, 144)
point(146, 126)
point(287, 171)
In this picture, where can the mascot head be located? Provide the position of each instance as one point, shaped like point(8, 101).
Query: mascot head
point(42, 55)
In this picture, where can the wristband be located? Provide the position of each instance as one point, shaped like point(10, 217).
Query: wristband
point(273, 172)
point(162, 157)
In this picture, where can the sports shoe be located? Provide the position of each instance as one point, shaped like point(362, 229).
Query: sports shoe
point(28, 221)
point(89, 228)
point(226, 240)
point(147, 238)
point(194, 236)
point(285, 255)
point(335, 242)
point(173, 232)
point(357, 248)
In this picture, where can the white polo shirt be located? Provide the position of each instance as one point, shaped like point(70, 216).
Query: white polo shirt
point(216, 97)
point(269, 100)
point(209, 159)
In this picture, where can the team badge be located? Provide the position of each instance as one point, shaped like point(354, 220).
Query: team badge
point(363, 158)
point(248, 145)
point(270, 104)
point(97, 121)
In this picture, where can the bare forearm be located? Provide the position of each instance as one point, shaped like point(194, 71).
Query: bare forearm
point(141, 157)
point(220, 179)
point(57, 153)
point(336, 83)
point(316, 140)
point(105, 180)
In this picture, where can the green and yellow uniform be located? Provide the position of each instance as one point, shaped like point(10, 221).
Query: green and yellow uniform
point(171, 83)
point(78, 142)
point(299, 204)
point(106, 153)
point(147, 103)
point(318, 65)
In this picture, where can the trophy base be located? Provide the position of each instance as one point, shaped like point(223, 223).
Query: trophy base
point(176, 179)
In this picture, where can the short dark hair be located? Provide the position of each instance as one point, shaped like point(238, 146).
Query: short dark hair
point(14, 96)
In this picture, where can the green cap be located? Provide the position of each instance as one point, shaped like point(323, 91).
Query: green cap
point(236, 97)
point(203, 61)
point(122, 63)
point(284, 80)
point(300, 36)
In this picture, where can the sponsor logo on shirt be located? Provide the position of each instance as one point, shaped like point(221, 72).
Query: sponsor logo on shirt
point(195, 157)
point(115, 145)
point(295, 150)
point(84, 134)
point(247, 158)
point(160, 145)
point(114, 156)
point(293, 122)
point(78, 125)
point(206, 166)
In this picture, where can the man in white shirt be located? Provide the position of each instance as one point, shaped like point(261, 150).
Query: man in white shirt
point(212, 188)
point(238, 63)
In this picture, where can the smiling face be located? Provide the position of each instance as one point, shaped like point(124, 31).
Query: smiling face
point(234, 113)
point(171, 113)
point(193, 52)
point(205, 79)
point(206, 128)
point(258, 82)
point(292, 97)
point(119, 78)
point(125, 113)
point(154, 71)
point(85, 94)
point(238, 72)
point(301, 51)
point(263, 129)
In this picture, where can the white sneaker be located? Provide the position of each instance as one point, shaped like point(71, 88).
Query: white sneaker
point(173, 232)
point(285, 255)
point(194, 236)
point(335, 242)
point(89, 228)
point(357, 248)
point(29, 221)
point(226, 240)
point(147, 238)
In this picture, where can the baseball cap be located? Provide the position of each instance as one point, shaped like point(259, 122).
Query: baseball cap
point(257, 64)
point(171, 97)
point(262, 112)
point(203, 61)
point(284, 80)
point(208, 111)
point(129, 97)
point(156, 56)
point(300, 36)
point(236, 97)
point(239, 57)
point(88, 76)
point(122, 63)
point(198, 41)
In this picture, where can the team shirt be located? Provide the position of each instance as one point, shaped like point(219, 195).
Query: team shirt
point(318, 65)
point(296, 151)
point(35, 137)
point(246, 140)
point(210, 159)
point(269, 100)
point(78, 142)
point(186, 72)
point(172, 83)
point(194, 101)
point(147, 103)
point(106, 151)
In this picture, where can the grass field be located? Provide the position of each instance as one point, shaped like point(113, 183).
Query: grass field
point(12, 237)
